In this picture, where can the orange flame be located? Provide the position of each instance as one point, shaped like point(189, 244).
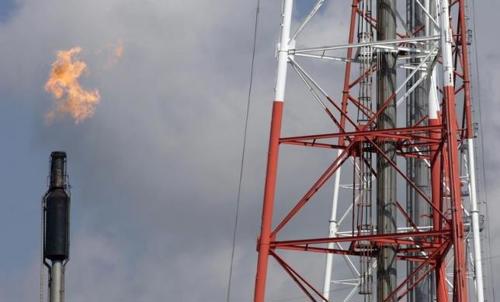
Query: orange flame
point(70, 97)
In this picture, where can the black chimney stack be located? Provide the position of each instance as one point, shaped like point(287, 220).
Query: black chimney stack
point(56, 206)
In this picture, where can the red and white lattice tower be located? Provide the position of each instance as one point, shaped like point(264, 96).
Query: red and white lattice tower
point(402, 122)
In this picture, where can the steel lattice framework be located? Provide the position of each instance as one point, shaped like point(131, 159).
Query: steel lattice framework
point(369, 140)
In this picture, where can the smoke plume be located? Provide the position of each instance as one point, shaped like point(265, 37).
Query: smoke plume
point(63, 83)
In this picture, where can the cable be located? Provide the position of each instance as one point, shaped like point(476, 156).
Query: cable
point(481, 133)
point(245, 131)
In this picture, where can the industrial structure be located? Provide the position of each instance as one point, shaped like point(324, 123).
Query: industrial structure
point(407, 226)
point(56, 209)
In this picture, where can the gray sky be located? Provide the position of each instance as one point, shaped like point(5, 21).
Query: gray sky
point(154, 172)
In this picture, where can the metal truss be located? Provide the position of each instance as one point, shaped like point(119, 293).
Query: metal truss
point(447, 250)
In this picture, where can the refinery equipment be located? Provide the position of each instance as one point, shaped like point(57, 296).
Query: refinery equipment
point(56, 210)
point(405, 221)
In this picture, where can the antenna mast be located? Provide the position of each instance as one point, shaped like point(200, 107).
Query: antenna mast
point(402, 121)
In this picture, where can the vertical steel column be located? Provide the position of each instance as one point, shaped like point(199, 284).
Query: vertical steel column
point(436, 182)
point(417, 108)
point(272, 160)
point(460, 269)
point(345, 94)
point(348, 65)
point(478, 269)
point(332, 232)
point(478, 265)
point(386, 175)
point(56, 285)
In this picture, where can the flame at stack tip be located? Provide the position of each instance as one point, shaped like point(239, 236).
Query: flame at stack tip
point(63, 83)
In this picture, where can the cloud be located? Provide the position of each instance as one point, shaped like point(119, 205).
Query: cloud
point(154, 170)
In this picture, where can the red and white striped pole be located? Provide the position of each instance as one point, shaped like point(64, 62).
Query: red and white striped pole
point(272, 159)
point(449, 114)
